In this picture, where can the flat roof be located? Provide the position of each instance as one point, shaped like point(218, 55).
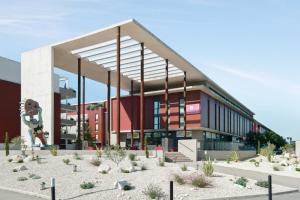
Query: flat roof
point(98, 52)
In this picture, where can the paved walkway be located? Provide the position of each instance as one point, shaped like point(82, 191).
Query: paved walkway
point(16, 196)
point(280, 180)
point(291, 196)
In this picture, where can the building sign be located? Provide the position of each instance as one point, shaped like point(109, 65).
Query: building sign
point(193, 108)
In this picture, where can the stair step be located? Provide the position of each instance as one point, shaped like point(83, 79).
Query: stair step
point(176, 157)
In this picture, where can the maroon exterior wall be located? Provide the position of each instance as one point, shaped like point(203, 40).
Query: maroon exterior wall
point(9, 109)
point(56, 118)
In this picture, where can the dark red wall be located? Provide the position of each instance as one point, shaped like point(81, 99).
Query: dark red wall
point(56, 118)
point(9, 109)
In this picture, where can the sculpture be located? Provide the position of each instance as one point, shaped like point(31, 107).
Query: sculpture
point(29, 108)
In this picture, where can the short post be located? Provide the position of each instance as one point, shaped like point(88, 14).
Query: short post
point(171, 190)
point(52, 188)
point(270, 186)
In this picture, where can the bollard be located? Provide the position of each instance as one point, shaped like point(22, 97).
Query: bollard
point(52, 188)
point(270, 186)
point(171, 190)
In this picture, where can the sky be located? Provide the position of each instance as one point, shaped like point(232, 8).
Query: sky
point(250, 48)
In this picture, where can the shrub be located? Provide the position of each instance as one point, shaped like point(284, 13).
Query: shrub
point(241, 181)
point(234, 156)
point(161, 162)
point(10, 159)
point(256, 164)
point(95, 162)
point(127, 187)
point(98, 152)
point(53, 150)
point(178, 179)
point(134, 164)
point(15, 170)
point(87, 185)
point(184, 167)
point(200, 181)
point(252, 160)
point(268, 151)
point(208, 168)
point(115, 154)
point(22, 178)
point(66, 161)
point(104, 172)
point(76, 156)
point(154, 192)
point(263, 184)
point(297, 169)
point(6, 144)
point(131, 156)
point(276, 168)
point(146, 148)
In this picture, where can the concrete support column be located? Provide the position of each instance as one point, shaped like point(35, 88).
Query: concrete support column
point(184, 98)
point(78, 104)
point(167, 95)
point(131, 113)
point(108, 107)
point(142, 99)
point(118, 84)
point(83, 103)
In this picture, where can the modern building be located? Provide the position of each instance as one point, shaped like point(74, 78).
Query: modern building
point(169, 98)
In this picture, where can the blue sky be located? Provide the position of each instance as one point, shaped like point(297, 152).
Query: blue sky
point(250, 48)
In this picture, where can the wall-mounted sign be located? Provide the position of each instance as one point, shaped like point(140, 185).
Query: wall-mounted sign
point(192, 108)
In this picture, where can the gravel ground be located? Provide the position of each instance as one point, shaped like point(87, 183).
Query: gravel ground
point(266, 166)
point(67, 182)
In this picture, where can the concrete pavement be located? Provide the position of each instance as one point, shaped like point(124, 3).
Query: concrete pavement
point(5, 195)
point(291, 196)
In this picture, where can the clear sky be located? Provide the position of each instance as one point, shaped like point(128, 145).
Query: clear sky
point(250, 48)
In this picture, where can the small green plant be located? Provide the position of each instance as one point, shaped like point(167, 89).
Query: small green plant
point(263, 184)
point(134, 164)
point(127, 187)
point(184, 167)
point(76, 156)
point(276, 168)
point(200, 181)
point(104, 172)
point(66, 161)
point(234, 157)
point(115, 153)
point(15, 170)
point(154, 192)
point(297, 169)
point(6, 144)
point(22, 178)
point(256, 164)
point(228, 160)
point(33, 176)
point(178, 179)
point(87, 185)
point(53, 150)
point(252, 160)
point(242, 181)
point(161, 162)
point(10, 159)
point(98, 152)
point(208, 168)
point(268, 151)
point(146, 148)
point(131, 157)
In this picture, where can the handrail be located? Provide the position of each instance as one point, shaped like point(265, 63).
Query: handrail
point(185, 146)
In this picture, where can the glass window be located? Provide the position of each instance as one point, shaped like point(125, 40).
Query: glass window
point(96, 116)
point(181, 112)
point(96, 127)
point(156, 113)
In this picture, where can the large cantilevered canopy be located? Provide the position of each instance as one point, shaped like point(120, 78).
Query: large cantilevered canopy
point(98, 53)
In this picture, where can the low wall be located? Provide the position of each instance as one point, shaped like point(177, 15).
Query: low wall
point(297, 148)
point(188, 148)
point(223, 155)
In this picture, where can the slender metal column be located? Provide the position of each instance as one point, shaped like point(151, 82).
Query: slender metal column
point(108, 107)
point(83, 104)
point(167, 96)
point(131, 113)
point(184, 98)
point(118, 83)
point(78, 104)
point(142, 98)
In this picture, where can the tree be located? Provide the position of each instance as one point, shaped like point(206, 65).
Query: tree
point(87, 134)
point(275, 139)
point(6, 144)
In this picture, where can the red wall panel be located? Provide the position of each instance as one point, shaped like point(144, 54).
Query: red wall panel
point(56, 118)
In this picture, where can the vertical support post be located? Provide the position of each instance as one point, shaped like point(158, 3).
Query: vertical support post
point(184, 99)
point(83, 104)
point(171, 190)
point(118, 83)
point(78, 104)
point(270, 186)
point(167, 96)
point(131, 113)
point(108, 107)
point(52, 188)
point(142, 99)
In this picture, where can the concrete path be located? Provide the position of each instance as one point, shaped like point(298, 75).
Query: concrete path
point(16, 196)
point(280, 180)
point(291, 196)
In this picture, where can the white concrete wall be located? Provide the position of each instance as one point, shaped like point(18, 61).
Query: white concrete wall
point(188, 148)
point(10, 70)
point(223, 155)
point(37, 83)
point(297, 148)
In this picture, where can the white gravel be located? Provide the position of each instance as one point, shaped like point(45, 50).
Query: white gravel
point(267, 167)
point(67, 182)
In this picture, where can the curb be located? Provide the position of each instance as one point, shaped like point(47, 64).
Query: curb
point(255, 196)
point(25, 192)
